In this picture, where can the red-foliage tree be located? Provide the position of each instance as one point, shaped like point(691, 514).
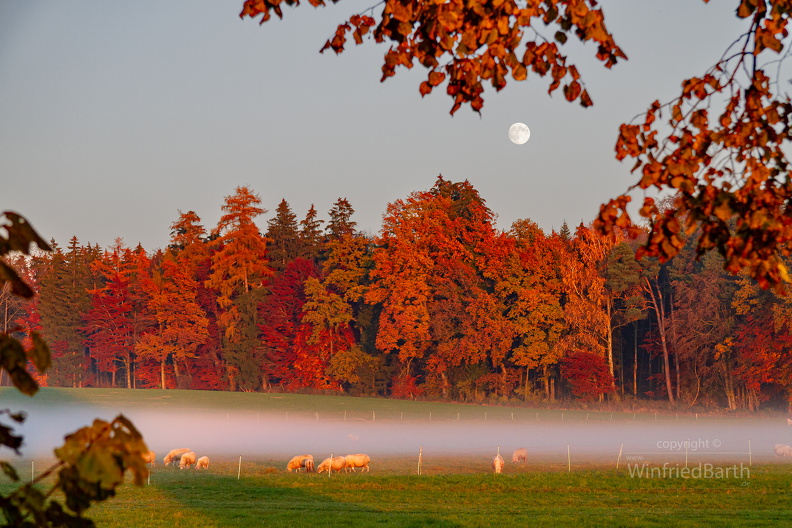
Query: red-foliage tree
point(588, 375)
point(292, 357)
point(109, 322)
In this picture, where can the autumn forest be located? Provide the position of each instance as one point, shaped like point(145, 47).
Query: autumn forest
point(440, 305)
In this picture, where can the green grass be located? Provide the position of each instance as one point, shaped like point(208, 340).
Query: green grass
point(586, 498)
point(453, 491)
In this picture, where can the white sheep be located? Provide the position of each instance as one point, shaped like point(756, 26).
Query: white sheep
point(301, 462)
point(497, 463)
point(187, 460)
point(782, 450)
point(357, 461)
point(202, 463)
point(174, 454)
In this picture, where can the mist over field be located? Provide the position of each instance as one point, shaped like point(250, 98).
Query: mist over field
point(280, 435)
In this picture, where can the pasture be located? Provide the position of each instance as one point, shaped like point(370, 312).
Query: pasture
point(571, 477)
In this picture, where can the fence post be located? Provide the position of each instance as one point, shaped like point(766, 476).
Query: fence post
point(620, 453)
point(686, 453)
point(569, 459)
point(750, 456)
point(420, 457)
point(239, 471)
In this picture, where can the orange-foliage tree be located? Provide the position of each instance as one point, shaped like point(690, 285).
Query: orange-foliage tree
point(531, 289)
point(435, 268)
point(240, 268)
point(180, 324)
point(190, 246)
point(587, 303)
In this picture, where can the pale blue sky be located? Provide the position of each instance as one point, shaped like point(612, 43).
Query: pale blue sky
point(116, 115)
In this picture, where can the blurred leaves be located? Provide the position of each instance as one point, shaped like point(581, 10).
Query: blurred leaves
point(722, 154)
point(468, 44)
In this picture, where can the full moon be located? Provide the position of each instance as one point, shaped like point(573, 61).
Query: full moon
point(519, 133)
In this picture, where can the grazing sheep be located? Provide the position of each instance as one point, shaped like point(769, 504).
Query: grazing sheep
point(202, 463)
point(357, 461)
point(149, 458)
point(789, 421)
point(782, 450)
point(520, 455)
point(338, 463)
point(497, 463)
point(187, 460)
point(305, 462)
point(174, 455)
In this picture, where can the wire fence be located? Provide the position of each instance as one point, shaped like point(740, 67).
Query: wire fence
point(492, 415)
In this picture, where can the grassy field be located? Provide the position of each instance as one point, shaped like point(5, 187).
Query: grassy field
point(455, 491)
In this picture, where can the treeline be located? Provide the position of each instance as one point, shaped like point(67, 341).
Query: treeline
point(441, 304)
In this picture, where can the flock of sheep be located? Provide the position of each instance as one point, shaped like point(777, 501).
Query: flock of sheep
point(185, 456)
point(330, 464)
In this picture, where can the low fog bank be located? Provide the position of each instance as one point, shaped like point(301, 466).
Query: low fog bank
point(259, 435)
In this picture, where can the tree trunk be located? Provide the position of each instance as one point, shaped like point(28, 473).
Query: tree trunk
point(728, 387)
point(635, 359)
point(162, 374)
point(659, 309)
point(128, 362)
point(176, 373)
point(676, 356)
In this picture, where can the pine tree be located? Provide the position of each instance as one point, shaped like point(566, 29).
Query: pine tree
point(65, 282)
point(284, 235)
point(311, 236)
point(341, 223)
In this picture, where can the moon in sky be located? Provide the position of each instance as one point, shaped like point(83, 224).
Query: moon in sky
point(519, 133)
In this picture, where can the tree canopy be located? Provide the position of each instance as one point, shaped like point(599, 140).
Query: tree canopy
point(718, 148)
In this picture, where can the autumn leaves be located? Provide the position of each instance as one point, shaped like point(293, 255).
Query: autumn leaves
point(467, 44)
